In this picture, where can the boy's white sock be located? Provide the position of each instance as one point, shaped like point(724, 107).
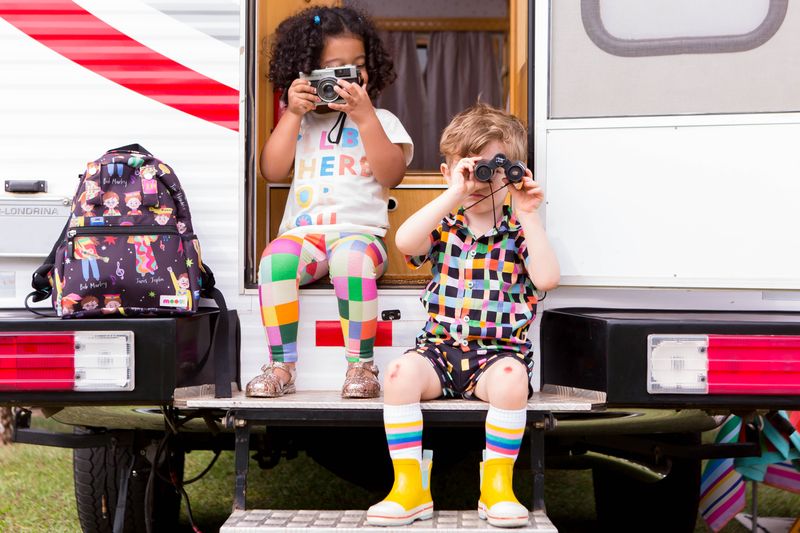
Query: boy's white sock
point(403, 424)
point(504, 432)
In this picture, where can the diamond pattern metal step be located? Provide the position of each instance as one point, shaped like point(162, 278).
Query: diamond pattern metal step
point(259, 520)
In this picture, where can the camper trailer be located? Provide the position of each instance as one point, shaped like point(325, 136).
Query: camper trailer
point(663, 133)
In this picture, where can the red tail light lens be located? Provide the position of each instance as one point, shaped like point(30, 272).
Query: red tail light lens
point(63, 361)
point(723, 364)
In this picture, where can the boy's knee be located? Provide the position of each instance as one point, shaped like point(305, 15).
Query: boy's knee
point(399, 374)
point(511, 376)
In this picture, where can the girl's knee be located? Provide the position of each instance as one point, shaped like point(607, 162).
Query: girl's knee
point(354, 250)
point(287, 244)
point(280, 261)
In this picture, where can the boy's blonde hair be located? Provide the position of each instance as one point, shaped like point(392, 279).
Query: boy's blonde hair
point(472, 129)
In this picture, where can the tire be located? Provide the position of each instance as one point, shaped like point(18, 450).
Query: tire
point(668, 505)
point(98, 473)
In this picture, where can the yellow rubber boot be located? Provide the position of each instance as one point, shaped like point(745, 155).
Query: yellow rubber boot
point(410, 497)
point(498, 504)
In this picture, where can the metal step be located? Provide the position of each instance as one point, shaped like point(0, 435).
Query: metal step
point(551, 399)
point(258, 520)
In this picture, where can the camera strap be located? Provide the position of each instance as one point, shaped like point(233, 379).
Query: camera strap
point(338, 124)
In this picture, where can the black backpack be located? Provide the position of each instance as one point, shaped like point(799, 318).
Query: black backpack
point(128, 248)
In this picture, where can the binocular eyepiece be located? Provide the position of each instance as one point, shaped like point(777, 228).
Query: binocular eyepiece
point(515, 170)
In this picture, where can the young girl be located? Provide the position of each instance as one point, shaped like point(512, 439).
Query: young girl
point(346, 156)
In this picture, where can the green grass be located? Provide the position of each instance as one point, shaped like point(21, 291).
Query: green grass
point(36, 492)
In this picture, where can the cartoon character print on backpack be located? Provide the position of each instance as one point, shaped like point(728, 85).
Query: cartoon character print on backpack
point(133, 201)
point(85, 250)
point(111, 201)
point(130, 247)
point(112, 303)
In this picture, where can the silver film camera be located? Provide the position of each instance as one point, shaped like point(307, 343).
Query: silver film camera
point(325, 79)
point(515, 170)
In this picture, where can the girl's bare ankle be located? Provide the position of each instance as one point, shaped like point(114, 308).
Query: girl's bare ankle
point(283, 374)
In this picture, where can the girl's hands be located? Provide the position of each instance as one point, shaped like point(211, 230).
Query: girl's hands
point(529, 196)
point(301, 97)
point(356, 104)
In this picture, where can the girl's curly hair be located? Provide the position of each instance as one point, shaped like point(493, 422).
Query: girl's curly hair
point(298, 42)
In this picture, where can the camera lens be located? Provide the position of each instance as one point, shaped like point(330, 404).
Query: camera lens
point(515, 172)
point(483, 171)
point(325, 90)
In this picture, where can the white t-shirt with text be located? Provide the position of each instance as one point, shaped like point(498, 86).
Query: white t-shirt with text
point(333, 188)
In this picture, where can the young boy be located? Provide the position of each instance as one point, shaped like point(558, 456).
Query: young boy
point(488, 259)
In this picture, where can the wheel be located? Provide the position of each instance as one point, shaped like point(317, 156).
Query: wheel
point(98, 473)
point(669, 505)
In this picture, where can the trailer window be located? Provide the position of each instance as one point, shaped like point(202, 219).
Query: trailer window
point(663, 27)
point(611, 58)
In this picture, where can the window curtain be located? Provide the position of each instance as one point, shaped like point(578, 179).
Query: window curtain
point(462, 68)
point(406, 96)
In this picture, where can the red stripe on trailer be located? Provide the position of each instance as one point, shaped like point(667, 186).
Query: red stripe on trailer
point(68, 29)
point(753, 364)
point(329, 333)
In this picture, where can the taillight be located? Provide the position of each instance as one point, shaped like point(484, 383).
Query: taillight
point(70, 360)
point(723, 364)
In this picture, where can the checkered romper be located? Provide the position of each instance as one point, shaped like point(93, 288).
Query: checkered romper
point(480, 294)
point(480, 301)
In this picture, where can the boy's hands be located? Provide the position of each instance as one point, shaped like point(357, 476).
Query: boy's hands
point(301, 97)
point(528, 197)
point(357, 103)
point(462, 180)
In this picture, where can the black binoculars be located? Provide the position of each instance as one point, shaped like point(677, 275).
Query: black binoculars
point(515, 170)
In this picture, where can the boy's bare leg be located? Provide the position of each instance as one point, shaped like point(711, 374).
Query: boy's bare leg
point(504, 384)
point(409, 379)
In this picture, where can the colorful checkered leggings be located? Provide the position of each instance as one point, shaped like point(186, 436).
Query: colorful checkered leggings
point(355, 262)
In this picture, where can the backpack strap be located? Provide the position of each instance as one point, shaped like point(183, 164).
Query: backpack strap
point(135, 147)
point(40, 282)
point(221, 337)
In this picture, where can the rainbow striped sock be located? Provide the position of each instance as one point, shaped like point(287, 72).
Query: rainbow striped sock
point(403, 425)
point(504, 431)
